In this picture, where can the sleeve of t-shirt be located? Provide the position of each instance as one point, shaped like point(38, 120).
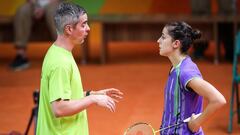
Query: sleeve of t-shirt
point(188, 74)
point(59, 84)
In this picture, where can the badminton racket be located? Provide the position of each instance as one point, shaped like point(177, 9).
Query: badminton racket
point(142, 128)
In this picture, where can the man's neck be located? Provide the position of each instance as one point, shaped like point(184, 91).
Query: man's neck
point(63, 42)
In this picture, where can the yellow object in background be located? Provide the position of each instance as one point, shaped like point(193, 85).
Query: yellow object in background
point(9, 7)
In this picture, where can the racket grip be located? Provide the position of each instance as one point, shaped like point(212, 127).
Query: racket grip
point(188, 119)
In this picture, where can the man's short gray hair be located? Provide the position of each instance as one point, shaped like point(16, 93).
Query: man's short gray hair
point(67, 13)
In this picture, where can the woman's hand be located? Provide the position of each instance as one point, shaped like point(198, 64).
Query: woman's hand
point(193, 124)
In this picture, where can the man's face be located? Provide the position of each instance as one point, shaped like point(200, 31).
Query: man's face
point(81, 30)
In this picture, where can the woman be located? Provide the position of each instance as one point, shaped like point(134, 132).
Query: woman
point(185, 88)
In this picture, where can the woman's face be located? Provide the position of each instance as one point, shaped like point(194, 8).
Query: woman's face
point(165, 43)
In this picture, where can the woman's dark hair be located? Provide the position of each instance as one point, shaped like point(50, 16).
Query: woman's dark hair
point(184, 33)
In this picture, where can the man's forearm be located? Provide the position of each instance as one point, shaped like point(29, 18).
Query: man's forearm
point(63, 108)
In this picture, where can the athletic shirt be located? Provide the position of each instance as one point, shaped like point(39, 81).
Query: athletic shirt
point(60, 79)
point(179, 101)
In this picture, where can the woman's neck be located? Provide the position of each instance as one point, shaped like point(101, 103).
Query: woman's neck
point(176, 59)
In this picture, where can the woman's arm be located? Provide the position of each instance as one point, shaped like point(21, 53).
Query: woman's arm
point(214, 97)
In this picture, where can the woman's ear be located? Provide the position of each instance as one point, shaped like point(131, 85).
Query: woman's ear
point(176, 44)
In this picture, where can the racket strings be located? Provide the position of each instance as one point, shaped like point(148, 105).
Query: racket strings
point(140, 129)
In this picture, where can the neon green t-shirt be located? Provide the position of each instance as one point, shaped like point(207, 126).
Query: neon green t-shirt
point(60, 79)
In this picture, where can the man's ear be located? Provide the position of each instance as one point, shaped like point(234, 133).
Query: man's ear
point(176, 44)
point(68, 29)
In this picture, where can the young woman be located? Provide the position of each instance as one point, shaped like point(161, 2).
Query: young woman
point(185, 88)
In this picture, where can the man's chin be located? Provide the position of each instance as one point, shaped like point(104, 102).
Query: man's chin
point(82, 41)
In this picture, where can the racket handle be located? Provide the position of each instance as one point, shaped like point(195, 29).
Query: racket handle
point(188, 119)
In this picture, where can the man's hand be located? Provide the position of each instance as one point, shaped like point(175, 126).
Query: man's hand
point(107, 97)
point(104, 101)
point(111, 92)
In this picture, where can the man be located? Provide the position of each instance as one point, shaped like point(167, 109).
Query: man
point(23, 20)
point(63, 104)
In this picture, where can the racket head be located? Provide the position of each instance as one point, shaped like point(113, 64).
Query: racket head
point(140, 128)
